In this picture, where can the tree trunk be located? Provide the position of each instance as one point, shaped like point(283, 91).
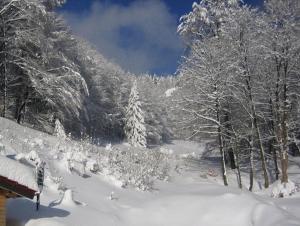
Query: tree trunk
point(257, 133)
point(21, 108)
point(254, 118)
point(251, 174)
point(284, 152)
point(273, 140)
point(221, 143)
point(5, 90)
point(4, 71)
point(284, 128)
point(273, 152)
point(228, 136)
point(222, 153)
point(237, 164)
point(261, 151)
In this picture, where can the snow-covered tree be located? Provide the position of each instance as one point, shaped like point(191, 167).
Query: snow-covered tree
point(206, 19)
point(155, 106)
point(259, 77)
point(135, 129)
point(59, 130)
point(282, 47)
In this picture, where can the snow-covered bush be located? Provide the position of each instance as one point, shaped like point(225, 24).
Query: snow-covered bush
point(55, 183)
point(135, 166)
point(76, 162)
point(92, 166)
point(31, 158)
point(2, 149)
point(281, 190)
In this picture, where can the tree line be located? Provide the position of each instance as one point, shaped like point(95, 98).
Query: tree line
point(47, 73)
point(239, 82)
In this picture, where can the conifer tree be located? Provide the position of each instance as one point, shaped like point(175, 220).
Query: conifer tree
point(59, 130)
point(135, 129)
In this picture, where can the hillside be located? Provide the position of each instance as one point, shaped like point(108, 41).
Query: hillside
point(190, 196)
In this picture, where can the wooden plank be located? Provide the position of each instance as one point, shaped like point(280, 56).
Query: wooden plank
point(2, 210)
point(8, 194)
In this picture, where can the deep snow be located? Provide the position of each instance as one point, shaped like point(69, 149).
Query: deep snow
point(193, 196)
point(15, 171)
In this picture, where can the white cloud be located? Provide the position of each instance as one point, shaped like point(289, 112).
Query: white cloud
point(141, 36)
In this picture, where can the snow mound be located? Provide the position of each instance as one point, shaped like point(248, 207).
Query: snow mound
point(69, 201)
point(196, 209)
point(166, 151)
point(281, 190)
point(43, 222)
point(18, 172)
point(31, 157)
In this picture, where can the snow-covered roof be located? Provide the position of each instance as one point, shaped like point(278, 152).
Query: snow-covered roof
point(18, 172)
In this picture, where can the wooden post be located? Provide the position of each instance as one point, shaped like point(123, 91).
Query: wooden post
point(2, 210)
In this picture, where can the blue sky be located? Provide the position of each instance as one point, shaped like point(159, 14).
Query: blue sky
point(139, 35)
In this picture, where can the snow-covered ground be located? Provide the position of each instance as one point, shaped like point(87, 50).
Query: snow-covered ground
point(192, 196)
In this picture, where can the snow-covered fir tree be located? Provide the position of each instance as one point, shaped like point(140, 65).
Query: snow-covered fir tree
point(135, 129)
point(59, 130)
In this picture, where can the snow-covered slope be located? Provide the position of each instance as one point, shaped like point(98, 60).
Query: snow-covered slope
point(93, 199)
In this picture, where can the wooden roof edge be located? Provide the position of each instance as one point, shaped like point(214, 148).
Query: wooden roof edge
point(15, 187)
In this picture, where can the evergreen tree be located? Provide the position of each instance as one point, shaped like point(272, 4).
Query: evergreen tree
point(59, 130)
point(135, 129)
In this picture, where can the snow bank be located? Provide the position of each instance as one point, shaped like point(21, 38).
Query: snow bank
point(208, 210)
point(43, 222)
point(68, 199)
point(18, 172)
point(280, 190)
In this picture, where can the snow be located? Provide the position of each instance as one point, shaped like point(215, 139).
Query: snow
point(44, 223)
point(283, 190)
point(206, 209)
point(191, 197)
point(18, 172)
point(67, 199)
point(169, 92)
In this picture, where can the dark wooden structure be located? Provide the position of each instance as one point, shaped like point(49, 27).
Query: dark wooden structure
point(11, 189)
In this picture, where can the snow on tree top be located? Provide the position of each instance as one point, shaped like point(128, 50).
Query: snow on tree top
point(169, 92)
point(18, 172)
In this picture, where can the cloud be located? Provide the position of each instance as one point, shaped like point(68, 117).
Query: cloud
point(141, 36)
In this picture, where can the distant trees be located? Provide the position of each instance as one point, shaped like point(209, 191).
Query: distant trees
point(109, 88)
point(240, 80)
point(44, 71)
point(47, 73)
point(35, 70)
point(156, 107)
point(18, 40)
